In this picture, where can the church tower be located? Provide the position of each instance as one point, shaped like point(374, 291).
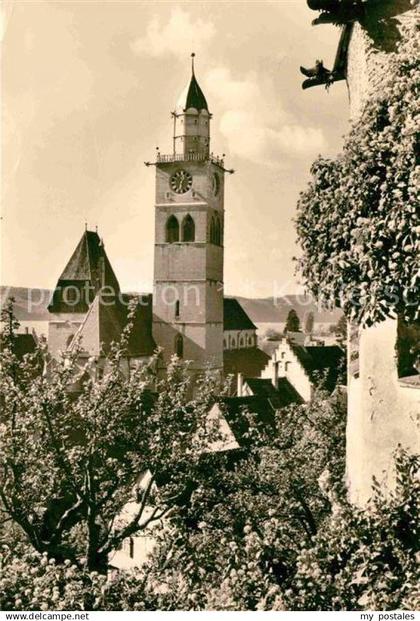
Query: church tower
point(189, 219)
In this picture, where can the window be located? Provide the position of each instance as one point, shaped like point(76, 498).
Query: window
point(241, 342)
point(177, 309)
point(188, 229)
point(172, 230)
point(215, 230)
point(225, 345)
point(408, 348)
point(179, 346)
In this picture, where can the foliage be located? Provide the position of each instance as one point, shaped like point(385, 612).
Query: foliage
point(292, 322)
point(358, 221)
point(33, 581)
point(365, 559)
point(69, 462)
point(236, 543)
point(340, 328)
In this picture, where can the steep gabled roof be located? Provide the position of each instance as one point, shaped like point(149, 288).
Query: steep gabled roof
point(234, 316)
point(322, 364)
point(285, 394)
point(87, 271)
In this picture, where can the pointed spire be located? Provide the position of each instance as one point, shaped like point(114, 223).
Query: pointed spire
point(192, 96)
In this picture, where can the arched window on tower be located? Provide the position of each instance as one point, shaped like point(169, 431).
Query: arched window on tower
point(177, 310)
point(172, 230)
point(179, 346)
point(215, 230)
point(188, 229)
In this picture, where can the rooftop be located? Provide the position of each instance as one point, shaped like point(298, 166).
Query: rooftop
point(192, 96)
point(234, 316)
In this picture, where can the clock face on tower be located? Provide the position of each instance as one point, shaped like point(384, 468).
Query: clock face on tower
point(181, 181)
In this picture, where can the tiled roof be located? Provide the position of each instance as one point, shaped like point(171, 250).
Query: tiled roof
point(287, 392)
point(88, 270)
point(234, 409)
point(250, 362)
point(284, 395)
point(234, 316)
point(323, 364)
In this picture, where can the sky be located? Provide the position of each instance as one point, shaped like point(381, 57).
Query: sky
point(87, 91)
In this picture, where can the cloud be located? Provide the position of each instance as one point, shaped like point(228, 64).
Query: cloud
point(254, 123)
point(249, 111)
point(180, 34)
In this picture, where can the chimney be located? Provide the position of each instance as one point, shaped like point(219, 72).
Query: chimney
point(240, 385)
point(275, 376)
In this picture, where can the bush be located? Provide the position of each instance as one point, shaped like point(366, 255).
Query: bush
point(358, 221)
point(365, 559)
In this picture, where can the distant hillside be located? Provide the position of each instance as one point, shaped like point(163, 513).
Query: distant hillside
point(31, 305)
point(270, 310)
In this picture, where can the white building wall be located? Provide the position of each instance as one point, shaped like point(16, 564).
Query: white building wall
point(383, 411)
point(284, 363)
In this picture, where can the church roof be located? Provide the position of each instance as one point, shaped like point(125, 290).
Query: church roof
point(192, 97)
point(89, 265)
point(104, 323)
point(234, 316)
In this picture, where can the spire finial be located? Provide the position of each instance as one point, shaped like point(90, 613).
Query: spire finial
point(192, 62)
point(85, 225)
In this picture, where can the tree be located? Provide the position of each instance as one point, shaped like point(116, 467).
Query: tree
point(292, 322)
point(309, 324)
point(365, 559)
point(69, 463)
point(235, 545)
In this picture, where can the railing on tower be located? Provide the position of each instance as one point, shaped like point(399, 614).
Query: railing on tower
point(189, 157)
